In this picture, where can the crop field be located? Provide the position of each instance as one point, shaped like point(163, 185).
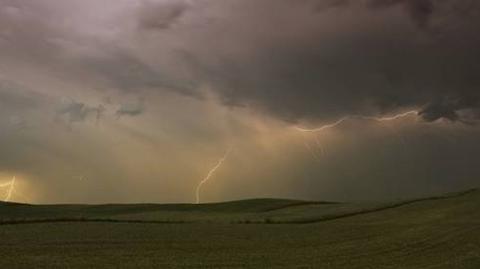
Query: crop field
point(437, 232)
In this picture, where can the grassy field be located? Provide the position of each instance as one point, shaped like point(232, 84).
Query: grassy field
point(438, 232)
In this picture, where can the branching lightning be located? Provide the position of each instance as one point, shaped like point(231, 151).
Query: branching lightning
point(323, 127)
point(318, 130)
point(210, 174)
point(342, 120)
point(312, 149)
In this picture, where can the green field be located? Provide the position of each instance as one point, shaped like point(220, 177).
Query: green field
point(438, 232)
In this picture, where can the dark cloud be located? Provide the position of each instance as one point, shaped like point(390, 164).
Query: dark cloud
point(438, 110)
point(73, 111)
point(297, 60)
point(364, 57)
point(161, 16)
point(459, 109)
point(131, 109)
point(419, 10)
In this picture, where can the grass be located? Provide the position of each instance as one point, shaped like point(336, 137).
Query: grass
point(437, 232)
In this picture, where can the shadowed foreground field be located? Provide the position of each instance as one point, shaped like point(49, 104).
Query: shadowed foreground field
point(439, 232)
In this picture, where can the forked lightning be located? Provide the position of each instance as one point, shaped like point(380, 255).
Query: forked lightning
point(210, 174)
point(342, 120)
point(317, 130)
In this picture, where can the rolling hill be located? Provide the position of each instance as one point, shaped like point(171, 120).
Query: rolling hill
point(435, 232)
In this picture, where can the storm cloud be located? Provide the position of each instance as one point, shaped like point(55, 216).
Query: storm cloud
point(176, 83)
point(161, 16)
point(305, 60)
point(356, 57)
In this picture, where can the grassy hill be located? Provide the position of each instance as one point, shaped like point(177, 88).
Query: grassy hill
point(437, 232)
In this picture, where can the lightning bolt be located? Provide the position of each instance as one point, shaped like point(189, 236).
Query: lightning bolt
point(210, 174)
point(311, 149)
point(11, 189)
point(319, 145)
point(396, 117)
point(323, 127)
point(317, 130)
point(342, 120)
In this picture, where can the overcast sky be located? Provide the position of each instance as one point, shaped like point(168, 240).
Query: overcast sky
point(136, 100)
